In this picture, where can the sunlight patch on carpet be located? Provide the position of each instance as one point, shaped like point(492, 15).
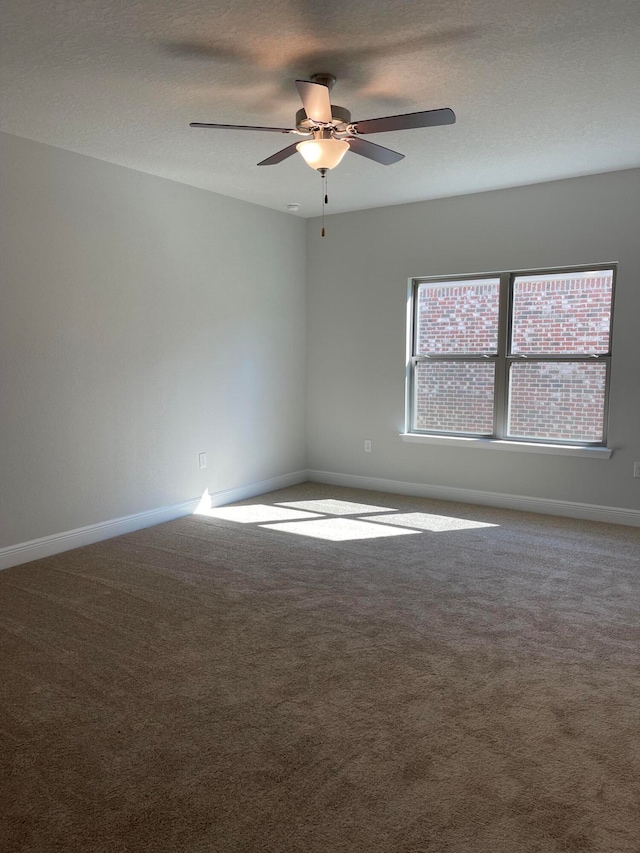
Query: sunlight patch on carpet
point(339, 529)
point(434, 523)
point(337, 507)
point(256, 513)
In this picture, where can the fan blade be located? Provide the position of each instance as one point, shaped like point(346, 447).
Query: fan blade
point(428, 118)
point(279, 156)
point(315, 100)
point(374, 152)
point(241, 127)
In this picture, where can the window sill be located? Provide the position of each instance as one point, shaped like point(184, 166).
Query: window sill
point(513, 446)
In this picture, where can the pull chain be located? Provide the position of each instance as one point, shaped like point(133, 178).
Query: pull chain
point(325, 197)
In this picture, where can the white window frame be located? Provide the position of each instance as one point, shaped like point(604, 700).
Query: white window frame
point(504, 358)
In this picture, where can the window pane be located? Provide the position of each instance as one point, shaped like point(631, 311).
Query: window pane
point(459, 317)
point(454, 396)
point(563, 313)
point(557, 400)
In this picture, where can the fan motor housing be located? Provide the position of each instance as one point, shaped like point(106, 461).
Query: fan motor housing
point(339, 116)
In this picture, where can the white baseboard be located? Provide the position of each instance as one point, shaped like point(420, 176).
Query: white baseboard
point(241, 493)
point(570, 509)
point(24, 552)
point(14, 555)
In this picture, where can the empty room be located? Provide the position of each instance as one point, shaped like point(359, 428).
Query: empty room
point(319, 443)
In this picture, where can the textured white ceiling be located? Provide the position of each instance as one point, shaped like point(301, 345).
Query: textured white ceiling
point(542, 89)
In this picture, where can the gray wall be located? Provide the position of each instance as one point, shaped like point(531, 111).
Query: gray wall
point(357, 286)
point(141, 322)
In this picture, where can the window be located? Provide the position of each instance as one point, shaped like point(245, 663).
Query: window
point(515, 356)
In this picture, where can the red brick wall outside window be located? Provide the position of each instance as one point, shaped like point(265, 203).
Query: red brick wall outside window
point(565, 314)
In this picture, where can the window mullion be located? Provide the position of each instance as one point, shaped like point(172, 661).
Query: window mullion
point(502, 367)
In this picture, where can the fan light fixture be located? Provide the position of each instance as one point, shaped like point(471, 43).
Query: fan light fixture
point(323, 153)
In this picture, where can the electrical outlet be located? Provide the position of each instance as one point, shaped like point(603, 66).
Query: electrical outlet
point(367, 446)
point(636, 469)
point(202, 460)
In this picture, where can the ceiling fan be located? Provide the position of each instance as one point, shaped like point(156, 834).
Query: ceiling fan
point(329, 132)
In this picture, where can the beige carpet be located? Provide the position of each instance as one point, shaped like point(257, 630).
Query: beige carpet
point(470, 685)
